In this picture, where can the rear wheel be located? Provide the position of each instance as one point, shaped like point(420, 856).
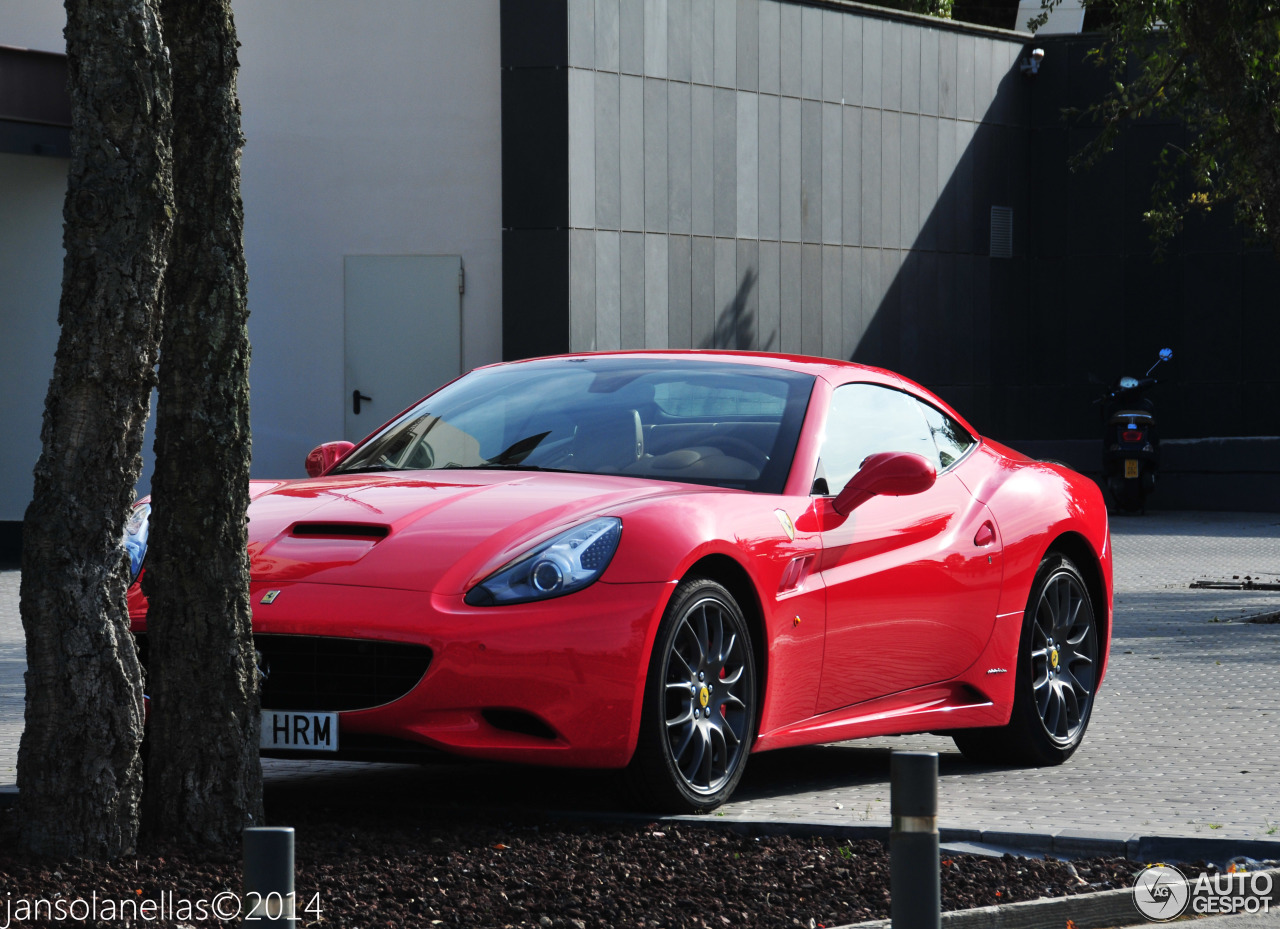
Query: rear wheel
point(1057, 675)
point(699, 717)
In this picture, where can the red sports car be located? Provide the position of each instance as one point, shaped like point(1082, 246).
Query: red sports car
point(668, 561)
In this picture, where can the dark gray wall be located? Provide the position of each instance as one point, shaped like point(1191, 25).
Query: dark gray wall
point(1104, 304)
point(1100, 303)
point(818, 178)
point(758, 174)
point(760, 171)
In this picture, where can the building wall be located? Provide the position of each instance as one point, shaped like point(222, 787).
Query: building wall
point(818, 176)
point(1100, 302)
point(770, 175)
point(33, 24)
point(1104, 303)
point(371, 129)
point(31, 194)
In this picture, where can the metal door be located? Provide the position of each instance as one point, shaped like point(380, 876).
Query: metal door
point(402, 333)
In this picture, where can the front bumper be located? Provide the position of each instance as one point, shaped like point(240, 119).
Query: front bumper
point(558, 682)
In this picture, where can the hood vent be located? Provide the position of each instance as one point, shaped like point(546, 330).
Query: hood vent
point(340, 531)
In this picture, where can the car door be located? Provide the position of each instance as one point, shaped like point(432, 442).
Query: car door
point(912, 582)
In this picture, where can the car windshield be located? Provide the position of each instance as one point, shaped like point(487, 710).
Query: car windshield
point(722, 423)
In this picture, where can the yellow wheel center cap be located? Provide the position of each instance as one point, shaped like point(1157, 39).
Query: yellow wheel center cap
point(704, 696)
point(1053, 657)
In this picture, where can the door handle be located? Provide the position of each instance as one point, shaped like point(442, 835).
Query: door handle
point(356, 397)
point(986, 535)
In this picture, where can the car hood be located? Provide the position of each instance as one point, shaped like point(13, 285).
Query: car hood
point(440, 531)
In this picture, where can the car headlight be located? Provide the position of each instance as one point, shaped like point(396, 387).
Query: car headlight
point(136, 529)
point(561, 565)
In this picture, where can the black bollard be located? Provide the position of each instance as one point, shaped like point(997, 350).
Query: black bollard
point(268, 876)
point(915, 877)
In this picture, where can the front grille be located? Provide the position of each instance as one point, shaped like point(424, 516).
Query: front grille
point(310, 672)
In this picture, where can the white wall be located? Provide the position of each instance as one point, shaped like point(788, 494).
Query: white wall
point(31, 194)
point(34, 24)
point(372, 128)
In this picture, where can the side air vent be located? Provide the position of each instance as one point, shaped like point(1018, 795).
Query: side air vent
point(517, 721)
point(341, 530)
point(1001, 232)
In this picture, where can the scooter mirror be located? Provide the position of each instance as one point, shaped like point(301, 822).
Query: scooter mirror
point(1166, 354)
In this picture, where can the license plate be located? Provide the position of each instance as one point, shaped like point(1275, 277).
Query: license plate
point(1130, 467)
point(299, 731)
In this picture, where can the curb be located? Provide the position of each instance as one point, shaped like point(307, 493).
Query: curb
point(1066, 844)
point(1100, 910)
point(1085, 911)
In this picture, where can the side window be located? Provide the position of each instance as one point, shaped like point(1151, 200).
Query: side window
point(951, 438)
point(865, 419)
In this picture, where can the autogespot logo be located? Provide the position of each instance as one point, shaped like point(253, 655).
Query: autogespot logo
point(1161, 893)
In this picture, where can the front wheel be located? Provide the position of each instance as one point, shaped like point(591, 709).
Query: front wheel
point(1057, 675)
point(699, 716)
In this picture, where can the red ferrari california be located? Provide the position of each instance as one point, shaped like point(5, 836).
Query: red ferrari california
point(668, 561)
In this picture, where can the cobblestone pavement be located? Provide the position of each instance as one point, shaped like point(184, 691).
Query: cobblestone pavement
point(1185, 737)
point(13, 663)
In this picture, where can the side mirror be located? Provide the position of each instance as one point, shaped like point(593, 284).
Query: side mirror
point(886, 474)
point(323, 457)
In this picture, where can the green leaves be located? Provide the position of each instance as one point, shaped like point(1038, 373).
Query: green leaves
point(1214, 66)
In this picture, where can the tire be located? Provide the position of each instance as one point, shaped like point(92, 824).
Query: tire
point(1057, 675)
point(700, 703)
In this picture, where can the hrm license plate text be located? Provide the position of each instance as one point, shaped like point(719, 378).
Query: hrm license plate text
point(300, 731)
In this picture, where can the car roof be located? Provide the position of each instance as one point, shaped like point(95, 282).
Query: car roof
point(831, 368)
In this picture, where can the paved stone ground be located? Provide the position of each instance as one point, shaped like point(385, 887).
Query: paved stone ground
point(1185, 738)
point(13, 663)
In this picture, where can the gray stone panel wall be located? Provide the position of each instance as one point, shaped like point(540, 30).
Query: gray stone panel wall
point(788, 176)
point(767, 174)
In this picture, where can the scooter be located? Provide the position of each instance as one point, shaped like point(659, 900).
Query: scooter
point(1130, 443)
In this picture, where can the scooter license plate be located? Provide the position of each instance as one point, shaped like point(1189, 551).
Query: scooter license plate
point(1130, 468)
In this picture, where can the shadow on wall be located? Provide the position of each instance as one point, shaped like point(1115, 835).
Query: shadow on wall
point(736, 326)
point(942, 319)
point(1023, 345)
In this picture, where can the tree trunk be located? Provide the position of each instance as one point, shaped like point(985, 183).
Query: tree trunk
point(204, 779)
point(78, 770)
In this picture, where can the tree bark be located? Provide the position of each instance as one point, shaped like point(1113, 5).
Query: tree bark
point(78, 770)
point(204, 779)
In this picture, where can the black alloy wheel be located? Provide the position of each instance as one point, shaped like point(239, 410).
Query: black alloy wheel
point(1064, 657)
point(699, 717)
point(1058, 663)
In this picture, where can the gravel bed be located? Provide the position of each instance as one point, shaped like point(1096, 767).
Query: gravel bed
point(406, 868)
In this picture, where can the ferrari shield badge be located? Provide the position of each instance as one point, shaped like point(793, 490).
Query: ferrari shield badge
point(269, 597)
point(787, 525)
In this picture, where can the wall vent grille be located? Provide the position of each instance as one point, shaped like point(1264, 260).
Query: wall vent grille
point(1001, 232)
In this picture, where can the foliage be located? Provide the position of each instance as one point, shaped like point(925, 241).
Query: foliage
point(939, 8)
point(1214, 65)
